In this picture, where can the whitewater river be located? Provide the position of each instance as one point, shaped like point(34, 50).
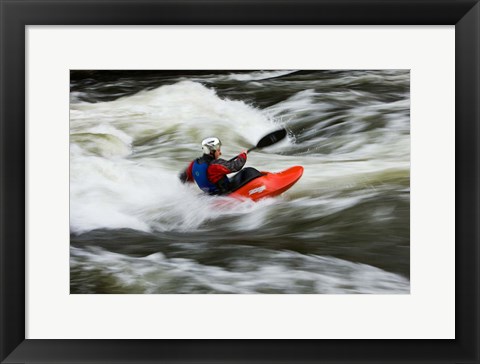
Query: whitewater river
point(343, 228)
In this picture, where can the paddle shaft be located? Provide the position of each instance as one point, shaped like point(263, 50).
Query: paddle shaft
point(268, 140)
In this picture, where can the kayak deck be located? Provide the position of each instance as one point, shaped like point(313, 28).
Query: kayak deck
point(269, 184)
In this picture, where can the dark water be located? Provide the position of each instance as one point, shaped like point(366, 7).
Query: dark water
point(343, 228)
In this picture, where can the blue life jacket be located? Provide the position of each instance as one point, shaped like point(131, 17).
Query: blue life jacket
point(199, 171)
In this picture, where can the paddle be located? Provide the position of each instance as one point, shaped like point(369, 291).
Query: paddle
point(268, 140)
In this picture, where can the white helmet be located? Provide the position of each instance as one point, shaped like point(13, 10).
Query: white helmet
point(210, 145)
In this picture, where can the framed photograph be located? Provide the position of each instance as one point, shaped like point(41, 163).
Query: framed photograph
point(239, 181)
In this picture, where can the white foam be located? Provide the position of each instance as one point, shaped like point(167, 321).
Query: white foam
point(292, 273)
point(111, 188)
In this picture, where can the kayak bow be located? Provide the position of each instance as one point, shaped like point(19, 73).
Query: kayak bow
point(269, 184)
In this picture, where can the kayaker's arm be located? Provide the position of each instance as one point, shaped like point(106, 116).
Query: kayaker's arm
point(234, 165)
point(186, 175)
point(219, 168)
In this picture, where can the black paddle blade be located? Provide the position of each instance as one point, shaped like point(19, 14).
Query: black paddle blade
point(268, 140)
point(272, 138)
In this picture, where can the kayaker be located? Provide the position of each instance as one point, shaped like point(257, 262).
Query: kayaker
point(210, 171)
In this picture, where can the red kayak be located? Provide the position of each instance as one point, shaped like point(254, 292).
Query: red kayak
point(269, 184)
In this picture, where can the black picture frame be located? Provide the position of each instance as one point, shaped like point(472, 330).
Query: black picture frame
point(16, 14)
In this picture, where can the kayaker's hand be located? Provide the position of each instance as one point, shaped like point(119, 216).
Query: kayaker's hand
point(243, 154)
